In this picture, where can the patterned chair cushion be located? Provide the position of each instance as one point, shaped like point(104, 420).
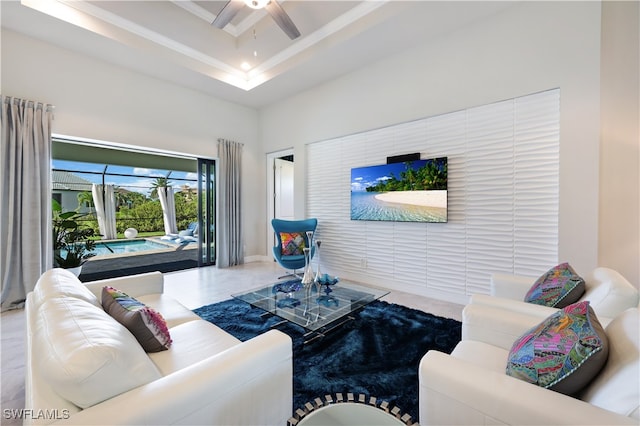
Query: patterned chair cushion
point(563, 353)
point(146, 324)
point(293, 243)
point(560, 286)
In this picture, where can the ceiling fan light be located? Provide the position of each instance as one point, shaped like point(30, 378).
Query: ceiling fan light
point(256, 4)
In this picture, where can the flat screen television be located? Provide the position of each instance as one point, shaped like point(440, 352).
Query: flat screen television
point(411, 191)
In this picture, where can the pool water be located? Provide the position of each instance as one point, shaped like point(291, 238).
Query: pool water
point(127, 246)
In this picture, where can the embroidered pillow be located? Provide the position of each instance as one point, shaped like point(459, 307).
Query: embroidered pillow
point(293, 243)
point(146, 324)
point(563, 353)
point(560, 286)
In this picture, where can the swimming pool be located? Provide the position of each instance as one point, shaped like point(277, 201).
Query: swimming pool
point(106, 248)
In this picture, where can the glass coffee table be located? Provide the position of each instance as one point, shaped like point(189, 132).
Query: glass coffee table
point(317, 308)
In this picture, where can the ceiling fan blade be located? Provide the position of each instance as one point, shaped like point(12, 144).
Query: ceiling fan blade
point(282, 19)
point(227, 13)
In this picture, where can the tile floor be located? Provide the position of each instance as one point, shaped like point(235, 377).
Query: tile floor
point(192, 287)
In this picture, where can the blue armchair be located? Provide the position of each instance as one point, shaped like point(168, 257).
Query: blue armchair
point(291, 238)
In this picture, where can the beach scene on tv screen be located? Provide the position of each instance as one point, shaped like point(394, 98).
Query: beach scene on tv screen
point(413, 191)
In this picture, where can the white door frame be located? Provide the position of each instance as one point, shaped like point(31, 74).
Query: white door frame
point(271, 193)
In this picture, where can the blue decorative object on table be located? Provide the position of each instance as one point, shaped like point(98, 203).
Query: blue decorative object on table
point(289, 302)
point(327, 281)
point(328, 301)
point(287, 286)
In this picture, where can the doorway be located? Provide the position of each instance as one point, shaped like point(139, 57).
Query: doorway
point(206, 212)
point(135, 175)
point(280, 181)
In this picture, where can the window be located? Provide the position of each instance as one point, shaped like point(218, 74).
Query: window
point(136, 177)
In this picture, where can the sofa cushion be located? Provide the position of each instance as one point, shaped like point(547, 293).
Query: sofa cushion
point(174, 312)
point(59, 282)
point(145, 323)
point(609, 292)
point(563, 353)
point(85, 355)
point(193, 341)
point(617, 387)
point(560, 286)
point(293, 243)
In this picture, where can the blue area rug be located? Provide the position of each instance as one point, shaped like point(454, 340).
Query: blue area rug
point(377, 354)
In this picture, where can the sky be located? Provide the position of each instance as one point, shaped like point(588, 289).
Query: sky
point(131, 183)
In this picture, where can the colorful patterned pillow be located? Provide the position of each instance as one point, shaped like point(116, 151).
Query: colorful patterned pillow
point(560, 286)
point(293, 243)
point(146, 324)
point(564, 353)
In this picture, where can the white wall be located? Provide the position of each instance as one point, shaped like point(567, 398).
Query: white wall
point(528, 48)
point(620, 143)
point(503, 192)
point(99, 101)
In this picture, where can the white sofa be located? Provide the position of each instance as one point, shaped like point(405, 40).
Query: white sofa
point(83, 367)
point(470, 386)
point(607, 291)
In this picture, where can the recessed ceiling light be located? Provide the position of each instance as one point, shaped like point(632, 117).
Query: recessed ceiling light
point(245, 66)
point(256, 4)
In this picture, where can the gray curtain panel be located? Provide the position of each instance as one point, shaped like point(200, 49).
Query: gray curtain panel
point(230, 238)
point(25, 197)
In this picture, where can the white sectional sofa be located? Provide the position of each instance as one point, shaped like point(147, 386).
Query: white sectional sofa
point(84, 367)
point(471, 387)
point(606, 289)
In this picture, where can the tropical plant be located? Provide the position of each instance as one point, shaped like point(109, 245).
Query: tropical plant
point(72, 244)
point(129, 199)
point(186, 208)
point(85, 198)
point(159, 182)
point(146, 217)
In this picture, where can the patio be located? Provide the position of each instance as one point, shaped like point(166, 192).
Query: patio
point(172, 259)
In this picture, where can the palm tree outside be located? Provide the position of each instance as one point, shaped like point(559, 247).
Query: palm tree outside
point(85, 199)
point(159, 182)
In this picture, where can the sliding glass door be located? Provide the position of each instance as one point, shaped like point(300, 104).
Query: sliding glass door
point(206, 212)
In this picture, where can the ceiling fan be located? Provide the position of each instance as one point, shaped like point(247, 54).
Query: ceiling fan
point(272, 7)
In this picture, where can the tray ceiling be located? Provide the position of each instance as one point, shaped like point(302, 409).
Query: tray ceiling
point(251, 61)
